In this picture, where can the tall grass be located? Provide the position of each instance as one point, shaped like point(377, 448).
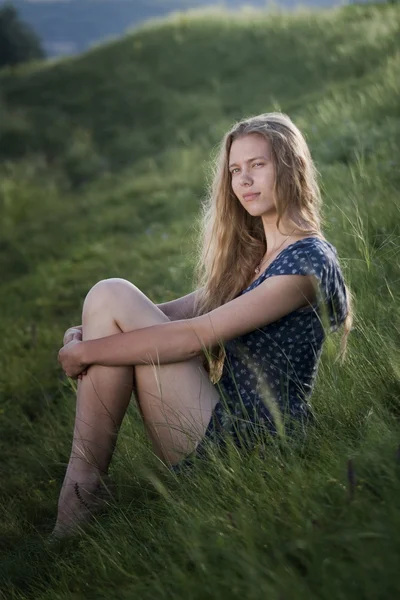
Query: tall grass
point(104, 168)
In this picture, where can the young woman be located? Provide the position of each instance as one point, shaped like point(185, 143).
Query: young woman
point(238, 355)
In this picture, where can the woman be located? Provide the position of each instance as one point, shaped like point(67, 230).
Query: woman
point(237, 356)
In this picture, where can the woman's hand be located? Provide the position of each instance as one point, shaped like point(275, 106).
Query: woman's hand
point(70, 358)
point(72, 333)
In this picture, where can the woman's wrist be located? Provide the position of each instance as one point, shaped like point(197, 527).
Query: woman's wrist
point(83, 353)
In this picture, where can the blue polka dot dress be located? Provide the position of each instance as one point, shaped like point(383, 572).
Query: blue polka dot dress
point(269, 373)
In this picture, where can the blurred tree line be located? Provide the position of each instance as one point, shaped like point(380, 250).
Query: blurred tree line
point(18, 42)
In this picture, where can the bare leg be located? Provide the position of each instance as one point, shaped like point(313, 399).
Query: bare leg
point(102, 400)
point(176, 394)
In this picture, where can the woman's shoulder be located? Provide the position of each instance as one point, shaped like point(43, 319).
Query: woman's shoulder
point(315, 241)
point(317, 256)
point(315, 247)
point(309, 255)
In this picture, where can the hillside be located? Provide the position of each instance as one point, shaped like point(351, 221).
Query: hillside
point(104, 162)
point(73, 26)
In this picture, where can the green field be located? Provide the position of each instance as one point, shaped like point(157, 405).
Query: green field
point(104, 162)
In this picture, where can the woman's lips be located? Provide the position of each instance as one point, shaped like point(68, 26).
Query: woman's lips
point(251, 196)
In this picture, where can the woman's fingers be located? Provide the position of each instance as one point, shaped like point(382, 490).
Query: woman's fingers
point(70, 337)
point(72, 333)
point(80, 376)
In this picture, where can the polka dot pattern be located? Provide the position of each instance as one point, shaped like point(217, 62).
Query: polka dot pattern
point(269, 373)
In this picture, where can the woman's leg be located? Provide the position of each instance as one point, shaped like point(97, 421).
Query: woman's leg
point(176, 400)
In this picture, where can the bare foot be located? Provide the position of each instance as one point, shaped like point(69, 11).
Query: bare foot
point(80, 500)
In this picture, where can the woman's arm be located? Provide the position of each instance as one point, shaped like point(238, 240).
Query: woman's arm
point(172, 310)
point(157, 344)
point(185, 339)
point(181, 308)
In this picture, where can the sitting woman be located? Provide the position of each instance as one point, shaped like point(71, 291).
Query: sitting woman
point(239, 355)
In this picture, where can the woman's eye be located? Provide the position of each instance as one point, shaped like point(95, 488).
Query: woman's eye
point(255, 165)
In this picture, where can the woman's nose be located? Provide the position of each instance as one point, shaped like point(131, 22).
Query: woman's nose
point(245, 178)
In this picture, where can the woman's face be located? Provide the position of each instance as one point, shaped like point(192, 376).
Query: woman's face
point(252, 171)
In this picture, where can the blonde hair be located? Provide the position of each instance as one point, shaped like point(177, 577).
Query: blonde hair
point(231, 241)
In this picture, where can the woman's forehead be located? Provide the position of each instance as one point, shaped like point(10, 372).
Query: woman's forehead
point(253, 142)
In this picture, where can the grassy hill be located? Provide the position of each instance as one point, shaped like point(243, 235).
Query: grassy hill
point(104, 164)
point(73, 26)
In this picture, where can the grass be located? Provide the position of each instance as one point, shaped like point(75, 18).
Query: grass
point(105, 159)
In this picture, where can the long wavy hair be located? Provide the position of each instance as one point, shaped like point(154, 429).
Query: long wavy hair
point(231, 241)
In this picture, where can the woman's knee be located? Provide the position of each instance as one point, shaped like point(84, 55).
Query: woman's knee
point(123, 302)
point(107, 292)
